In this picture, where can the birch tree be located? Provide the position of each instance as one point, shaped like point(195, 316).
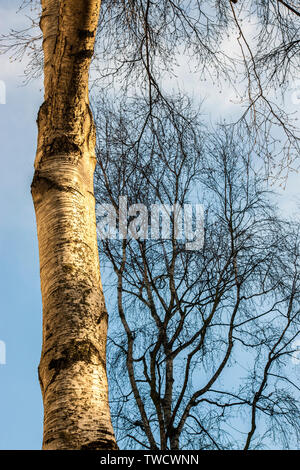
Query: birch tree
point(72, 369)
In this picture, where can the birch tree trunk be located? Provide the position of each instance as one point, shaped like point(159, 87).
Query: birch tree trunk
point(72, 369)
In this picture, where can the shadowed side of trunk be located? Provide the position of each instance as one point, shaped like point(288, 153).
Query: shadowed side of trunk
point(72, 369)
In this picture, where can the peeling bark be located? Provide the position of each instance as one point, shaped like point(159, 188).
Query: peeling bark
point(72, 369)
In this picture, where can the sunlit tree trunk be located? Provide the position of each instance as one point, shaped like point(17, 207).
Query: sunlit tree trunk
point(72, 369)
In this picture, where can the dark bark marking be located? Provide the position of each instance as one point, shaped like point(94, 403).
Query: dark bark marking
point(84, 54)
point(61, 145)
point(106, 443)
point(104, 315)
point(76, 351)
point(42, 184)
point(86, 33)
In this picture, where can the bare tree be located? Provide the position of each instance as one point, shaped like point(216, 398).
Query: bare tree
point(72, 369)
point(139, 41)
point(206, 336)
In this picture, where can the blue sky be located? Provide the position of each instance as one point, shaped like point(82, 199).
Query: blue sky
point(21, 310)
